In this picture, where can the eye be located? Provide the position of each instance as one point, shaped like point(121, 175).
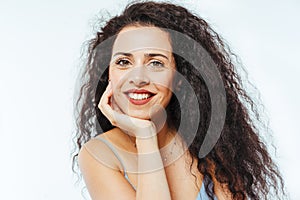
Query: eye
point(156, 64)
point(122, 62)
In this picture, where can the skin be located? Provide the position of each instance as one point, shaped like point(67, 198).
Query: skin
point(134, 66)
point(142, 58)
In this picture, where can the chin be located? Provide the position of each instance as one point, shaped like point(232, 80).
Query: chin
point(139, 114)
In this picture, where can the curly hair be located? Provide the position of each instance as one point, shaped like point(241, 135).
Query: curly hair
point(239, 159)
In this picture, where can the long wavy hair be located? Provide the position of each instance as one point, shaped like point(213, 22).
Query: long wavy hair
point(239, 159)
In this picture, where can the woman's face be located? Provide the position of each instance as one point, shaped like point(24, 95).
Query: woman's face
point(141, 70)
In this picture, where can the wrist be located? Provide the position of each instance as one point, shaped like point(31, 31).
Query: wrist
point(146, 132)
point(147, 145)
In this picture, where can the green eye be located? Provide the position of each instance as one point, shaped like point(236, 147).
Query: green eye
point(156, 64)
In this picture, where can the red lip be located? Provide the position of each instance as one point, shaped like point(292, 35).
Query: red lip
point(139, 91)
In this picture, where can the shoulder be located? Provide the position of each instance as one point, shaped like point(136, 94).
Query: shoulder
point(101, 169)
point(98, 151)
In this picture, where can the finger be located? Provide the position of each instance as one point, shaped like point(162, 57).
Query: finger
point(104, 104)
point(104, 101)
point(106, 94)
point(115, 106)
point(138, 128)
point(133, 126)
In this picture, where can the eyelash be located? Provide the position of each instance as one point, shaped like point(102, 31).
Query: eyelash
point(158, 62)
point(127, 62)
point(118, 62)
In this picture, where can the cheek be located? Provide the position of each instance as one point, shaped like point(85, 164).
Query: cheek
point(115, 76)
point(163, 80)
point(165, 95)
point(164, 83)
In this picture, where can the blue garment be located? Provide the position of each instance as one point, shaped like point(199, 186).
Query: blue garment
point(202, 195)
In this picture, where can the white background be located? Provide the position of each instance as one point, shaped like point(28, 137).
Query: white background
point(40, 47)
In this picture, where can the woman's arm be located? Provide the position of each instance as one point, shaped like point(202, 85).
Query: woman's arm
point(103, 182)
point(106, 183)
point(153, 184)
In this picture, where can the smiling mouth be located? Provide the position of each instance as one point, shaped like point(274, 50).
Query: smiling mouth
point(139, 97)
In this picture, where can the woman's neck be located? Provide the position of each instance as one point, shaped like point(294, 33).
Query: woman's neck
point(165, 135)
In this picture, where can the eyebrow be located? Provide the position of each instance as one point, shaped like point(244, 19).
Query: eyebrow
point(122, 53)
point(155, 54)
point(146, 54)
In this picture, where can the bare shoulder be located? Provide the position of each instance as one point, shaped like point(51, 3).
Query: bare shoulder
point(100, 170)
point(99, 150)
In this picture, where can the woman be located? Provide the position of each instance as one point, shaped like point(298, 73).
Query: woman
point(136, 91)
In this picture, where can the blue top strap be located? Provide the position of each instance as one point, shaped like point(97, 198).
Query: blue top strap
point(202, 195)
point(113, 149)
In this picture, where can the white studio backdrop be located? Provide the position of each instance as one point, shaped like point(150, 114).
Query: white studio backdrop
point(40, 48)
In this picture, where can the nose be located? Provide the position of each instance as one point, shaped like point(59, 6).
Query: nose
point(139, 77)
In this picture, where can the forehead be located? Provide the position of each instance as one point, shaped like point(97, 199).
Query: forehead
point(135, 38)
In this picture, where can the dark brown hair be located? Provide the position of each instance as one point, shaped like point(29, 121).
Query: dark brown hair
point(239, 159)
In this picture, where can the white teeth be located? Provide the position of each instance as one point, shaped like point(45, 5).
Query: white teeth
point(138, 96)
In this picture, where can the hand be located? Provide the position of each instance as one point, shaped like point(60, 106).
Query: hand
point(138, 128)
